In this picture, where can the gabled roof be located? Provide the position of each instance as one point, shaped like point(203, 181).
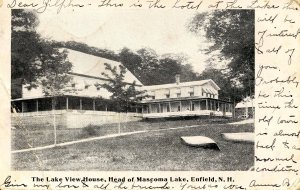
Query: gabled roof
point(182, 84)
point(245, 103)
point(93, 66)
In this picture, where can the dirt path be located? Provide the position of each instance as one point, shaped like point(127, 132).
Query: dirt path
point(242, 122)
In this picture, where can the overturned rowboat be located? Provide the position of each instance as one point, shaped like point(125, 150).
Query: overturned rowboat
point(239, 137)
point(200, 141)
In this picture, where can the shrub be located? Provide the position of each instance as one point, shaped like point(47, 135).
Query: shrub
point(89, 131)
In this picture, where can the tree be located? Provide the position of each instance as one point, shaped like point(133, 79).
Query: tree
point(132, 61)
point(232, 33)
point(32, 57)
point(55, 68)
point(167, 70)
point(82, 47)
point(229, 89)
point(35, 61)
point(122, 94)
point(25, 46)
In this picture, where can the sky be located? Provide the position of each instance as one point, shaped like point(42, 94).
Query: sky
point(164, 31)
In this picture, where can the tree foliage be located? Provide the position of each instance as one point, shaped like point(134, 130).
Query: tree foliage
point(25, 46)
point(34, 60)
point(123, 94)
point(152, 69)
point(232, 33)
point(82, 47)
point(55, 70)
point(229, 91)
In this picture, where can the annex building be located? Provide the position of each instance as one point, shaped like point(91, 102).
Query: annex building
point(90, 104)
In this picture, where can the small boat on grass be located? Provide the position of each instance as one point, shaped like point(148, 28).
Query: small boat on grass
point(239, 137)
point(200, 141)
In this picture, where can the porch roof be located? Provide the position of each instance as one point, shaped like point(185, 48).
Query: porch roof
point(42, 97)
point(197, 98)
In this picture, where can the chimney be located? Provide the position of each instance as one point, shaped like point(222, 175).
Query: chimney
point(177, 78)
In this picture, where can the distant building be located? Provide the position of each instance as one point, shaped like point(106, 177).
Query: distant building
point(245, 108)
point(90, 104)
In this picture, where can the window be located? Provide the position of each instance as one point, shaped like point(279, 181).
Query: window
point(153, 97)
point(73, 85)
point(86, 86)
point(191, 94)
point(167, 95)
point(178, 95)
point(98, 88)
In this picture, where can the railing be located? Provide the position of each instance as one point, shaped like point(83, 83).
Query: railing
point(187, 113)
point(64, 111)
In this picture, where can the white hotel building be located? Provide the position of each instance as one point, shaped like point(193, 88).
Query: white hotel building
point(91, 104)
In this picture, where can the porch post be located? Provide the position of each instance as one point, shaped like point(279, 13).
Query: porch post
point(199, 105)
point(159, 108)
point(206, 104)
point(80, 101)
point(22, 107)
point(106, 107)
point(149, 108)
point(180, 104)
point(190, 105)
point(37, 105)
point(67, 103)
point(94, 104)
point(169, 106)
point(53, 103)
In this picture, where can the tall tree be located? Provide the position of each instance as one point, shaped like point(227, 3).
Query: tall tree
point(54, 80)
point(35, 61)
point(232, 33)
point(123, 94)
point(34, 58)
point(230, 90)
point(132, 61)
point(25, 45)
point(167, 70)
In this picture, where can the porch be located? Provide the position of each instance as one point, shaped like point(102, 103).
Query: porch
point(67, 103)
point(187, 108)
point(70, 112)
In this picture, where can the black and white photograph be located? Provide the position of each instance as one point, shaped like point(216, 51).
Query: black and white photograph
point(132, 90)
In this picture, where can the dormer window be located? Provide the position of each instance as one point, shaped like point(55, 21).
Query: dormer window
point(98, 88)
point(178, 95)
point(153, 97)
point(191, 94)
point(167, 95)
point(86, 87)
point(73, 85)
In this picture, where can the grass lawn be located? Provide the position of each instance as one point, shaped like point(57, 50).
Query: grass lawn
point(153, 150)
point(34, 136)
